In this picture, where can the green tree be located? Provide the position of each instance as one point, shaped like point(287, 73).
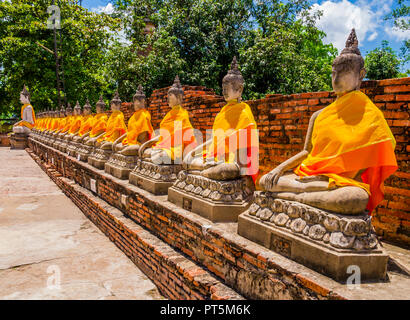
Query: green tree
point(382, 63)
point(23, 59)
point(279, 49)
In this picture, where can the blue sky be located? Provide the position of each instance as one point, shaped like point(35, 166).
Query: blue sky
point(339, 17)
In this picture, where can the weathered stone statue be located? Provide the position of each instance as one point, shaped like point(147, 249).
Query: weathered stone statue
point(61, 125)
point(94, 137)
point(74, 127)
point(22, 129)
point(126, 147)
point(314, 207)
point(53, 125)
point(217, 182)
point(161, 157)
point(83, 131)
point(63, 132)
point(116, 127)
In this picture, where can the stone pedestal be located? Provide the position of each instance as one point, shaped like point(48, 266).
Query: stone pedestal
point(72, 148)
point(218, 201)
point(83, 152)
point(154, 178)
point(99, 157)
point(120, 166)
point(19, 140)
point(326, 242)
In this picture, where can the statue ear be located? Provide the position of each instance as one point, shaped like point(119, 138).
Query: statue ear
point(363, 72)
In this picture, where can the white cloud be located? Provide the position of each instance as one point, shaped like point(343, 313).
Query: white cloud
point(340, 17)
point(373, 36)
point(108, 9)
point(396, 33)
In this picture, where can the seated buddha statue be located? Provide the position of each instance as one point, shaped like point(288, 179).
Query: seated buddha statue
point(28, 118)
point(139, 128)
point(125, 148)
point(99, 125)
point(116, 126)
point(233, 147)
point(76, 122)
point(165, 148)
point(217, 182)
point(86, 124)
point(348, 151)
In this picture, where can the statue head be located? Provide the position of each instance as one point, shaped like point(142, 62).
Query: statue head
point(87, 108)
point(77, 109)
point(100, 106)
point(348, 68)
point(56, 113)
point(24, 96)
point(116, 102)
point(232, 83)
point(175, 93)
point(69, 110)
point(139, 99)
point(62, 112)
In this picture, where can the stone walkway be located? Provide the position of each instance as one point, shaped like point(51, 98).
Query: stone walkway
point(49, 249)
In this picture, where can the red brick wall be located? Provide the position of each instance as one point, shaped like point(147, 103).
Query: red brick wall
point(283, 121)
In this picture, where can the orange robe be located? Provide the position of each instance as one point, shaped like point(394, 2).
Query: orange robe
point(115, 127)
point(55, 124)
point(76, 124)
point(139, 122)
point(349, 135)
point(235, 129)
point(176, 133)
point(86, 125)
point(61, 123)
point(69, 121)
point(25, 123)
point(99, 124)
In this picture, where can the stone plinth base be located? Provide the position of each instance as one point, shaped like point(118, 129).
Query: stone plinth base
point(18, 141)
point(99, 157)
point(218, 201)
point(72, 148)
point(120, 166)
point(154, 178)
point(326, 242)
point(83, 151)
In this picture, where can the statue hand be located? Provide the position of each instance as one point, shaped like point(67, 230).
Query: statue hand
point(268, 181)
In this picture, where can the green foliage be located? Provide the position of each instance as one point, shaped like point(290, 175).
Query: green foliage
point(382, 63)
point(197, 40)
point(23, 28)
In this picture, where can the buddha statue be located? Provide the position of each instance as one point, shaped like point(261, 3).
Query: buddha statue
point(115, 128)
point(28, 118)
point(125, 148)
point(218, 180)
point(61, 125)
point(83, 131)
point(53, 125)
point(161, 157)
point(76, 121)
point(94, 136)
point(69, 118)
point(324, 193)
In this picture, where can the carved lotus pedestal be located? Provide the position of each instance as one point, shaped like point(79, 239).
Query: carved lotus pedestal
point(49, 140)
point(120, 166)
point(57, 142)
point(99, 157)
point(72, 148)
point(153, 177)
point(19, 140)
point(83, 152)
point(326, 242)
point(218, 201)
